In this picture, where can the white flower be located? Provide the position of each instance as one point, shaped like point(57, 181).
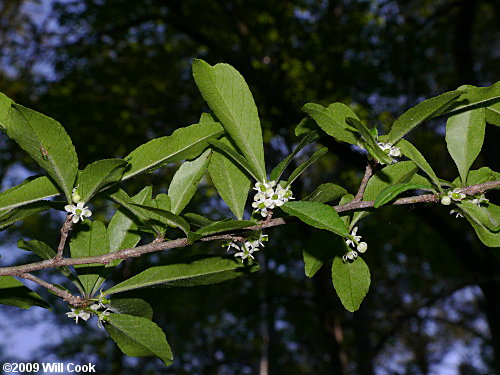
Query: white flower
point(457, 213)
point(390, 149)
point(101, 301)
point(231, 244)
point(78, 313)
point(78, 212)
point(351, 255)
point(446, 200)
point(355, 239)
point(74, 195)
point(264, 186)
point(268, 198)
point(103, 316)
point(456, 195)
point(263, 238)
point(246, 252)
point(480, 199)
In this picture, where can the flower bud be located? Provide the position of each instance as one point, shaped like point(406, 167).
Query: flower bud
point(75, 198)
point(446, 200)
point(362, 247)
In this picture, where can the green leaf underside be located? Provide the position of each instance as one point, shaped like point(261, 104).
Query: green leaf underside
point(493, 114)
point(223, 226)
point(46, 141)
point(45, 252)
point(317, 215)
point(186, 180)
point(391, 175)
point(412, 153)
point(306, 126)
point(326, 193)
point(479, 176)
point(320, 248)
point(236, 158)
point(90, 239)
point(98, 175)
point(139, 337)
point(489, 238)
point(131, 306)
point(8, 218)
point(198, 220)
point(15, 293)
point(464, 139)
point(351, 281)
point(371, 144)
point(278, 170)
point(166, 216)
point(230, 180)
point(201, 270)
point(301, 168)
point(486, 216)
point(30, 191)
point(332, 120)
point(184, 143)
point(391, 192)
point(5, 108)
point(421, 112)
point(230, 99)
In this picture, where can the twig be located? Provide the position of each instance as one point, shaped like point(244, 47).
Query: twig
point(182, 242)
point(364, 181)
point(64, 294)
point(64, 235)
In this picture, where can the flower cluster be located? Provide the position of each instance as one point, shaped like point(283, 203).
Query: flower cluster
point(95, 308)
point(456, 195)
point(390, 149)
point(270, 195)
point(247, 248)
point(354, 242)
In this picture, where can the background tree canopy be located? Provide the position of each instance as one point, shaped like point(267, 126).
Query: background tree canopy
point(118, 73)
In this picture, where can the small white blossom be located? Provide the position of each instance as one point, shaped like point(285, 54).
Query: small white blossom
point(231, 244)
point(78, 313)
point(78, 212)
point(351, 255)
point(457, 213)
point(103, 316)
point(390, 149)
point(355, 239)
point(446, 200)
point(75, 197)
point(246, 252)
point(362, 247)
point(480, 199)
point(270, 195)
point(456, 195)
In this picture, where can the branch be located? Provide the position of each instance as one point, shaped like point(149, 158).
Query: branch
point(182, 242)
point(64, 235)
point(364, 182)
point(64, 294)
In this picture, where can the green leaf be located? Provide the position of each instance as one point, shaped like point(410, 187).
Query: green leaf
point(473, 97)
point(301, 168)
point(493, 114)
point(10, 217)
point(139, 337)
point(45, 252)
point(230, 99)
point(317, 215)
point(131, 306)
point(488, 217)
point(198, 220)
point(168, 217)
point(14, 293)
point(235, 157)
point(184, 143)
point(305, 126)
point(90, 239)
point(5, 108)
point(479, 176)
point(200, 270)
point(464, 139)
point(412, 153)
point(391, 192)
point(369, 140)
point(31, 190)
point(332, 120)
point(489, 238)
point(46, 141)
point(99, 175)
point(423, 111)
point(230, 180)
point(278, 170)
point(320, 248)
point(391, 175)
point(186, 180)
point(351, 281)
point(223, 226)
point(326, 193)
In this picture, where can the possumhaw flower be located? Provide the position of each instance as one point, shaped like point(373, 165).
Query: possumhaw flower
point(268, 197)
point(246, 249)
point(390, 149)
point(78, 313)
point(480, 199)
point(354, 241)
point(456, 195)
point(78, 211)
